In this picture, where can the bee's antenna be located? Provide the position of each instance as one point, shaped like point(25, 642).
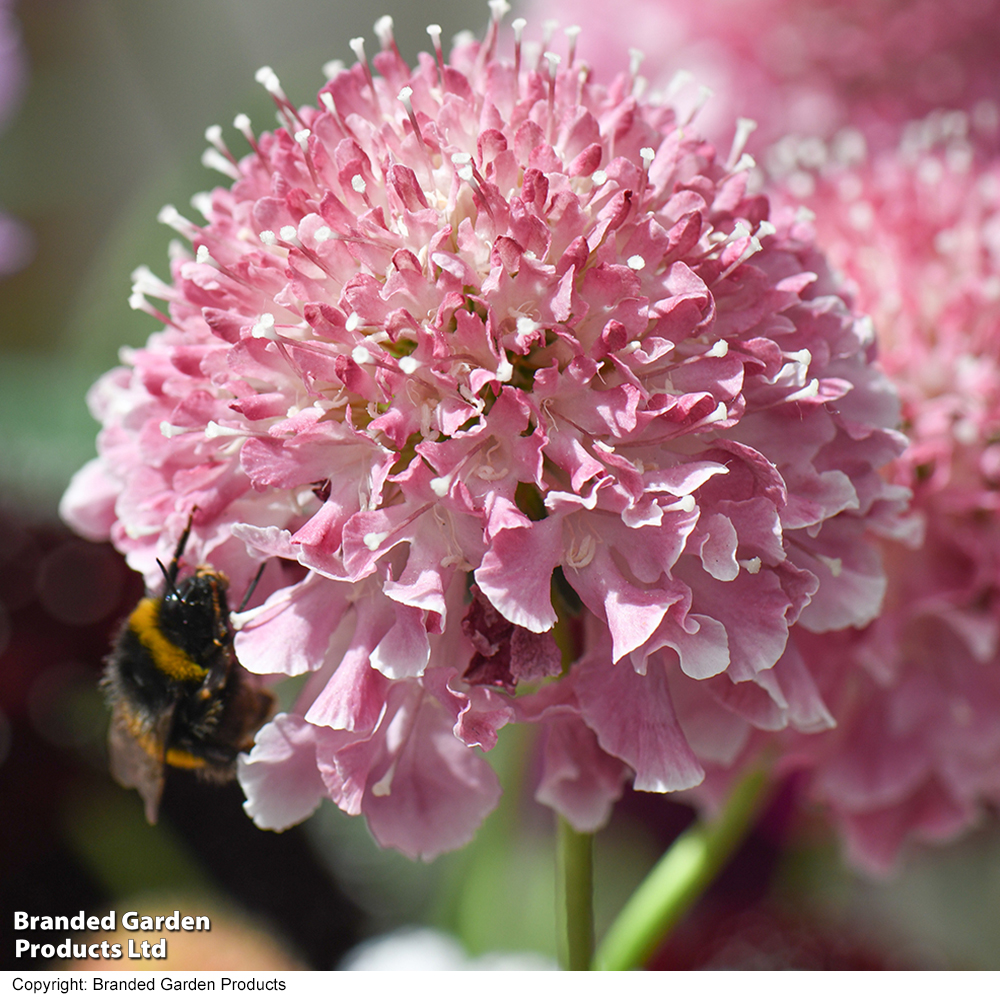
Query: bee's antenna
point(168, 577)
point(251, 588)
point(171, 573)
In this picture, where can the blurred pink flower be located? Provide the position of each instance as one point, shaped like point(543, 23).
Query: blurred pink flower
point(487, 355)
point(916, 232)
point(805, 66)
point(16, 243)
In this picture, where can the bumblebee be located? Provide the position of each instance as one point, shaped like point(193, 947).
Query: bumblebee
point(177, 693)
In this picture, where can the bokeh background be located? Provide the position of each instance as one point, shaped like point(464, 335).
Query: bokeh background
point(106, 127)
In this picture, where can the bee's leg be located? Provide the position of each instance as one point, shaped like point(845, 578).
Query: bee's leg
point(251, 588)
point(218, 673)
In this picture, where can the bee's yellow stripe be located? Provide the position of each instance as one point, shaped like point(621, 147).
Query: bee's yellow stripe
point(185, 760)
point(153, 748)
point(169, 659)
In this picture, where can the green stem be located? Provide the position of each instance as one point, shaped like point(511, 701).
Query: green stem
point(575, 896)
point(678, 879)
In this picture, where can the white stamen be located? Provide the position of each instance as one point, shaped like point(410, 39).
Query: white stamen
point(202, 202)
point(374, 539)
point(518, 25)
point(242, 124)
point(648, 154)
point(744, 128)
point(434, 30)
point(169, 216)
point(636, 262)
point(572, 34)
point(499, 8)
point(268, 238)
point(268, 79)
point(752, 566)
point(323, 234)
point(440, 485)
point(718, 350)
point(264, 327)
point(719, 413)
point(214, 430)
point(331, 70)
point(144, 281)
point(740, 232)
point(383, 786)
point(302, 138)
point(213, 134)
point(685, 503)
point(704, 95)
point(361, 355)
point(202, 256)
point(169, 430)
point(353, 322)
point(408, 365)
point(582, 553)
point(678, 81)
point(553, 60)
point(505, 370)
point(807, 392)
point(289, 234)
point(358, 183)
point(358, 48)
point(599, 177)
point(526, 326)
point(404, 95)
point(383, 29)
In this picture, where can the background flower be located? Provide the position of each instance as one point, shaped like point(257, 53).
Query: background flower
point(15, 240)
point(916, 232)
point(810, 67)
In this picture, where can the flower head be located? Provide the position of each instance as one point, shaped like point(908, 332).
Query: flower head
point(811, 67)
point(916, 232)
point(510, 377)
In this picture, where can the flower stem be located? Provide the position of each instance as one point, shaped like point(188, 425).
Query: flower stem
point(678, 879)
point(575, 896)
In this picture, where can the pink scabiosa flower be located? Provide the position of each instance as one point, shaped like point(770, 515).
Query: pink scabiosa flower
point(16, 243)
point(917, 750)
point(810, 67)
point(538, 416)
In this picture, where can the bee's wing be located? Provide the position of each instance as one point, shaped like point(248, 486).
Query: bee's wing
point(139, 765)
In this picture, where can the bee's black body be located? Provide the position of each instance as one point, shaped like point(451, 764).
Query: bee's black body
point(178, 695)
